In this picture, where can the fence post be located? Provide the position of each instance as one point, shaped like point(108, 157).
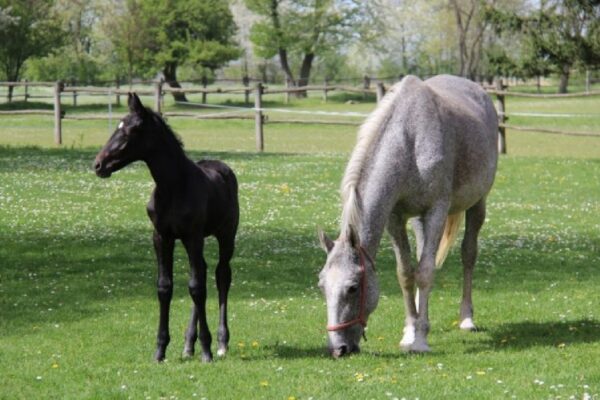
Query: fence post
point(325, 91)
point(118, 86)
point(587, 80)
point(380, 91)
point(258, 120)
point(246, 82)
point(204, 84)
point(157, 95)
point(286, 98)
point(501, 109)
point(58, 87)
point(74, 94)
point(26, 94)
point(366, 84)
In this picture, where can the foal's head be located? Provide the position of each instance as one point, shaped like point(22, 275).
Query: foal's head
point(137, 134)
point(351, 291)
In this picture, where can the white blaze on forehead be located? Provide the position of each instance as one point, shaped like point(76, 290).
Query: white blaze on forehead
point(121, 125)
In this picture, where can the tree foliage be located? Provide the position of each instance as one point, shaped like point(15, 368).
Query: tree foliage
point(31, 28)
point(303, 29)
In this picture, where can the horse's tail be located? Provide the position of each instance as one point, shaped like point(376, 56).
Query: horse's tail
point(449, 237)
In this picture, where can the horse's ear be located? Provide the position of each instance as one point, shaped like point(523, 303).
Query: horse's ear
point(326, 243)
point(352, 236)
point(135, 104)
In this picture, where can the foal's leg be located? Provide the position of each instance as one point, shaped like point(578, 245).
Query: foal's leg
point(197, 288)
point(163, 245)
point(474, 220)
point(433, 228)
point(191, 334)
point(223, 277)
point(406, 276)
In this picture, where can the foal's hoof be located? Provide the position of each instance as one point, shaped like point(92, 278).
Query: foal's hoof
point(159, 356)
point(222, 351)
point(187, 353)
point(467, 325)
point(206, 358)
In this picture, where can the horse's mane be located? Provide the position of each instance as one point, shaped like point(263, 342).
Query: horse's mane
point(367, 135)
point(171, 135)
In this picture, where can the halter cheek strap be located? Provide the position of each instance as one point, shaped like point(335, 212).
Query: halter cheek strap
point(361, 318)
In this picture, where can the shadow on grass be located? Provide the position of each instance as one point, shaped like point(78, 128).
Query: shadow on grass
point(527, 334)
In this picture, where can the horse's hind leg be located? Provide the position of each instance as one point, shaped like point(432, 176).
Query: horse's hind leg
point(163, 246)
point(197, 288)
point(406, 276)
point(191, 334)
point(223, 278)
point(474, 220)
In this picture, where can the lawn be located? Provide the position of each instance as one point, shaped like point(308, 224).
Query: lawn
point(78, 308)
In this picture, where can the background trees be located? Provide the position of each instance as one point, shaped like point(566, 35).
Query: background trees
point(30, 28)
point(297, 40)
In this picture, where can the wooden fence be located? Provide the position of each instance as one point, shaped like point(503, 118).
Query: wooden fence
point(159, 90)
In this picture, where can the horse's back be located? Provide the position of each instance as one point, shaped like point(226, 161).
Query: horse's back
point(468, 116)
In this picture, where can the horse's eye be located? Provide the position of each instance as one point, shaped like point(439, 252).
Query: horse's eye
point(353, 289)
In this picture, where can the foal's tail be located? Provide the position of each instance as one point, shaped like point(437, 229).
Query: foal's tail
point(449, 237)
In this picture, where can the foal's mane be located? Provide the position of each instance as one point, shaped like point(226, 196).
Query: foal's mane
point(170, 134)
point(369, 131)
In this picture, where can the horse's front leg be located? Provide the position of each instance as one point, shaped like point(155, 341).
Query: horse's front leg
point(197, 288)
point(163, 245)
point(406, 277)
point(433, 227)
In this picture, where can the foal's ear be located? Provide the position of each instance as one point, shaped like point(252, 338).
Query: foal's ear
point(326, 243)
point(135, 104)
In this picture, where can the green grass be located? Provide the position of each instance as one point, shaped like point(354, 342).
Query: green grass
point(78, 308)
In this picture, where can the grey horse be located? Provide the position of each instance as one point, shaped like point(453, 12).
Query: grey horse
point(428, 154)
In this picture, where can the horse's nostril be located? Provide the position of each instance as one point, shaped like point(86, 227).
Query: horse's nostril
point(96, 165)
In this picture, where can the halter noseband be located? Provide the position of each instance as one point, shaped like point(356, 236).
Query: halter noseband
point(361, 319)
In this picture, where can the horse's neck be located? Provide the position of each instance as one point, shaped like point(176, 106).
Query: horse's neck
point(376, 204)
point(167, 167)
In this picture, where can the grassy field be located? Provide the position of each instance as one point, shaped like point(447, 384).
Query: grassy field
point(78, 309)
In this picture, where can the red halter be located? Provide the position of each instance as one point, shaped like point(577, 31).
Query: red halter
point(363, 296)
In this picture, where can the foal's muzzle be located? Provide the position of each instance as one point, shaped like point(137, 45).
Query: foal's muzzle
point(100, 169)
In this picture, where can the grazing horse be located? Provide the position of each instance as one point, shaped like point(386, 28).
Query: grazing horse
point(427, 153)
point(190, 202)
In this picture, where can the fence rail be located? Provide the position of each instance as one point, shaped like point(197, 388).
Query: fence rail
point(258, 91)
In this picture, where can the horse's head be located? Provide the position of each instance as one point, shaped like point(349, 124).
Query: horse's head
point(130, 142)
point(349, 283)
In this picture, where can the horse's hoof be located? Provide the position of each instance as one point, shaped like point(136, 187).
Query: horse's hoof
point(416, 347)
point(408, 338)
point(187, 353)
point(206, 358)
point(467, 325)
point(159, 356)
point(222, 351)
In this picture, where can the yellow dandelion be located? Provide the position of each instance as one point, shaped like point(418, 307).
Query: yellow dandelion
point(455, 323)
point(255, 344)
point(480, 373)
point(291, 398)
point(264, 383)
point(55, 365)
point(561, 345)
point(241, 345)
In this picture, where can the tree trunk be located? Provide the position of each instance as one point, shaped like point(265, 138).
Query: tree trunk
point(286, 66)
point(170, 72)
point(564, 79)
point(305, 72)
point(9, 96)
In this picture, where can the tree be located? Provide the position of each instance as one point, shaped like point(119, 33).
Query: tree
point(196, 32)
point(33, 30)
point(558, 36)
point(302, 28)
